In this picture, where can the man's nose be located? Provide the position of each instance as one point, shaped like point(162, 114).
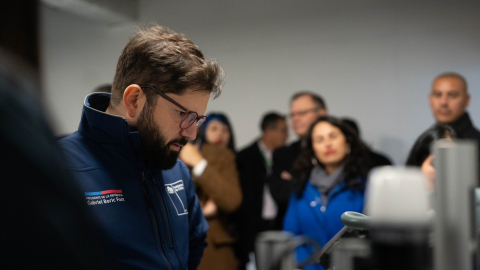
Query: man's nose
point(190, 132)
point(444, 100)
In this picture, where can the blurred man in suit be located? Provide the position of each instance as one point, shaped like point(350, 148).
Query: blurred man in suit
point(305, 108)
point(258, 211)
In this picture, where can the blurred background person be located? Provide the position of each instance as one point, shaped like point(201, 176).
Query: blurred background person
point(45, 223)
point(215, 175)
point(305, 108)
point(330, 176)
point(449, 99)
point(258, 211)
point(377, 159)
point(421, 156)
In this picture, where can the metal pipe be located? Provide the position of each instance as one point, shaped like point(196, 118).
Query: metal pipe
point(456, 175)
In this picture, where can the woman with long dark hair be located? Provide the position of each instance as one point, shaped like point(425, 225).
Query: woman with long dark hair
point(330, 176)
point(216, 182)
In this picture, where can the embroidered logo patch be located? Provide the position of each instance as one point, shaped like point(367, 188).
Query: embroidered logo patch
point(176, 191)
point(104, 197)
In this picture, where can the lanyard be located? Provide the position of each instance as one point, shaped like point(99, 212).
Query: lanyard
point(268, 164)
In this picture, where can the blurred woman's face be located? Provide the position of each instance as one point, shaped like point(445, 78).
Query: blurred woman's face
point(429, 171)
point(329, 144)
point(217, 133)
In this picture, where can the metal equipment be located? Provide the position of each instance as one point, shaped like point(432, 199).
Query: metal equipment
point(400, 227)
point(456, 176)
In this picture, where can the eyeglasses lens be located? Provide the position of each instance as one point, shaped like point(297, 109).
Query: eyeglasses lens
point(189, 119)
point(201, 121)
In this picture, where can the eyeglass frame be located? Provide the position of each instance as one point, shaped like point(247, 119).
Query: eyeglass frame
point(304, 112)
point(187, 111)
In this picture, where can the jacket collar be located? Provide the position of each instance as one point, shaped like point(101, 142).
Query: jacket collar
point(312, 193)
point(105, 128)
point(462, 124)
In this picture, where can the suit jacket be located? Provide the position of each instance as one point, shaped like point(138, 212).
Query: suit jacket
point(283, 160)
point(253, 172)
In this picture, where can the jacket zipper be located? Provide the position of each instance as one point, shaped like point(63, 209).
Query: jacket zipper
point(153, 218)
point(166, 224)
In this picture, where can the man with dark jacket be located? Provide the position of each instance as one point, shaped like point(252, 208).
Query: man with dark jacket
point(305, 108)
point(124, 154)
point(258, 211)
point(449, 99)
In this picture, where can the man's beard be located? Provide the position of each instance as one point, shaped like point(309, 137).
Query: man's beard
point(155, 149)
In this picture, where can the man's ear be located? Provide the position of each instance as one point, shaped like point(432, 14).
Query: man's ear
point(134, 100)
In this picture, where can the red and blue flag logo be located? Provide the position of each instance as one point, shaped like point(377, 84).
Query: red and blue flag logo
point(104, 197)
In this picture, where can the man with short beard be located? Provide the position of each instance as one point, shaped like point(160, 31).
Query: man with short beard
point(124, 154)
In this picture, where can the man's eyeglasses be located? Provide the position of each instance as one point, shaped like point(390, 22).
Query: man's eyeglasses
point(302, 113)
point(190, 116)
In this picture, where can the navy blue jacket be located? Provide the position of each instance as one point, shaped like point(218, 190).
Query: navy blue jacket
point(148, 218)
point(306, 215)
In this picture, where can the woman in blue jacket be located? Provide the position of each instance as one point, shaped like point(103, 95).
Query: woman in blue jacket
point(330, 174)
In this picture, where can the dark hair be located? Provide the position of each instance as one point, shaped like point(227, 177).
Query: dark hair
point(317, 99)
point(421, 149)
point(159, 57)
point(270, 120)
point(352, 124)
point(357, 163)
point(219, 117)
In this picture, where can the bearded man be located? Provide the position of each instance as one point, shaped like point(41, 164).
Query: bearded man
point(124, 154)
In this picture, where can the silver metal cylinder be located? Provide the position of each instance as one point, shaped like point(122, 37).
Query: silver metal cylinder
point(456, 175)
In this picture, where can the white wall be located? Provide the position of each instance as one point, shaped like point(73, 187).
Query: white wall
point(371, 60)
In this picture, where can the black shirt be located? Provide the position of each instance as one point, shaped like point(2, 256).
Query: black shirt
point(465, 129)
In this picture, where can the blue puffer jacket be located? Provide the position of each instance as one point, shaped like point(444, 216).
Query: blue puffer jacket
point(306, 216)
point(148, 218)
